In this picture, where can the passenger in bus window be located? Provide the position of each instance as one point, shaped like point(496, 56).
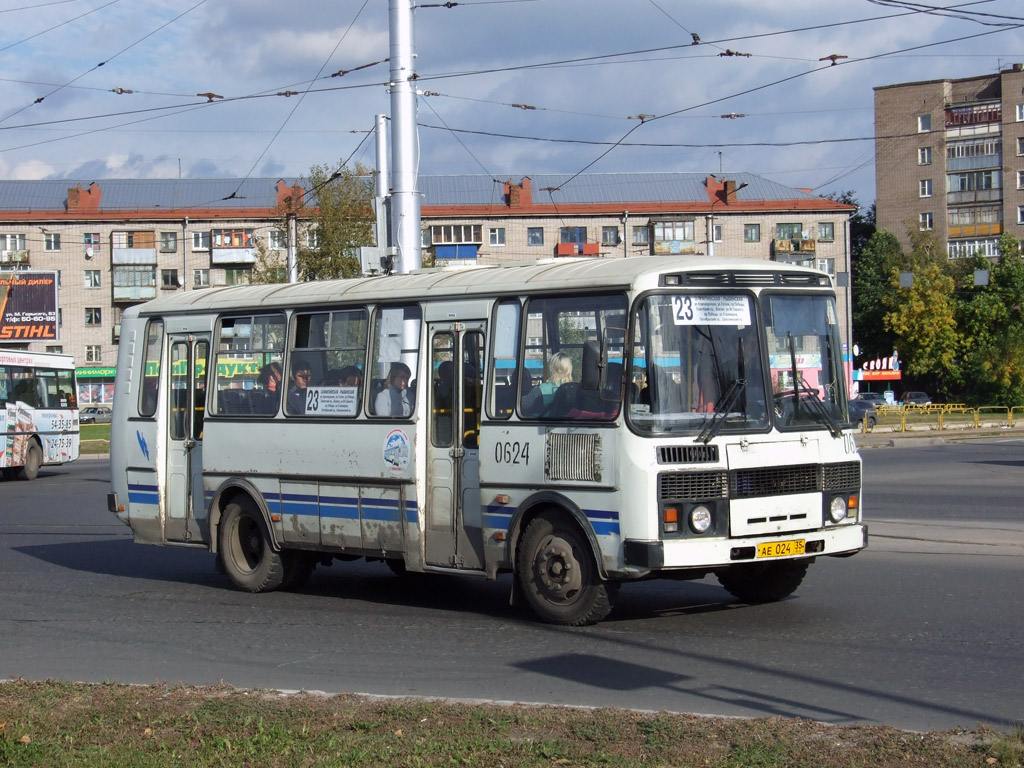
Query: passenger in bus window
point(394, 399)
point(540, 397)
point(301, 372)
point(349, 376)
point(270, 377)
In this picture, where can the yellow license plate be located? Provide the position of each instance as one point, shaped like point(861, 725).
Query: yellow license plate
point(781, 548)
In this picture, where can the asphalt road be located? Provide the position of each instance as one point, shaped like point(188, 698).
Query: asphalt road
point(923, 630)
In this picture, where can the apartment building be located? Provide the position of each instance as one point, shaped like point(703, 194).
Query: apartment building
point(119, 242)
point(949, 159)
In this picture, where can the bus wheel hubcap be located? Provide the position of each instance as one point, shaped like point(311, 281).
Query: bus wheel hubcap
point(559, 572)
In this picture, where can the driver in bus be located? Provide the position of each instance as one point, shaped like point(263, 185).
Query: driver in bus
point(301, 371)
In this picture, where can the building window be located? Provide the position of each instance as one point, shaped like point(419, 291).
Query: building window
point(12, 242)
point(1020, 214)
point(496, 236)
point(827, 265)
point(231, 238)
point(534, 236)
point(751, 233)
point(1020, 145)
point(200, 278)
point(925, 221)
point(1020, 179)
point(924, 123)
point(972, 181)
point(93, 316)
point(92, 278)
point(278, 240)
point(924, 188)
point(200, 241)
point(787, 230)
point(457, 234)
point(641, 235)
point(572, 235)
point(92, 353)
point(924, 155)
point(312, 238)
point(1020, 113)
point(60, 317)
point(236, 277)
point(51, 241)
point(55, 349)
point(716, 233)
point(169, 279)
point(91, 240)
point(168, 242)
point(826, 231)
point(609, 236)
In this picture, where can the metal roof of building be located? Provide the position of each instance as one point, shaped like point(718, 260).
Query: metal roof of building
point(455, 190)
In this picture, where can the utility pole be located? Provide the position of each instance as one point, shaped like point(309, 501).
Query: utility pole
point(405, 200)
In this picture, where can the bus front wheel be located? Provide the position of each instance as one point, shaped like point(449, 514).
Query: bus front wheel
point(558, 575)
point(33, 460)
point(763, 582)
point(248, 558)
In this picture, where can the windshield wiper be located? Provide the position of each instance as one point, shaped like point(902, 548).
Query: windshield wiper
point(722, 408)
point(819, 407)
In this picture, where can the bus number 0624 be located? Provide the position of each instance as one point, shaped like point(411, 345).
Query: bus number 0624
point(511, 453)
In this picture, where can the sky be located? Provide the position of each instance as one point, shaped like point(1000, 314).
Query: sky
point(99, 89)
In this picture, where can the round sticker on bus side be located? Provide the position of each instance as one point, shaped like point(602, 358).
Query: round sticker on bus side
point(397, 451)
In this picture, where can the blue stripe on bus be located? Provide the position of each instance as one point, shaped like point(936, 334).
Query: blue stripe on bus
point(341, 507)
point(605, 522)
point(143, 494)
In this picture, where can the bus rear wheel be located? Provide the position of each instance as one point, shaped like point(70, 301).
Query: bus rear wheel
point(249, 560)
point(763, 582)
point(33, 460)
point(558, 575)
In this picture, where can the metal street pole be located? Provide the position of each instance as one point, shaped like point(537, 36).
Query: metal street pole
point(405, 201)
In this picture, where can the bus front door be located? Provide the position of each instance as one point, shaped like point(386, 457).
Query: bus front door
point(186, 407)
point(453, 535)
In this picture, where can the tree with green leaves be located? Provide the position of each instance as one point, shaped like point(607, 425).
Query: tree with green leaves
point(991, 316)
point(333, 220)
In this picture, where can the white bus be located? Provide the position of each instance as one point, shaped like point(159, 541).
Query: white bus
point(38, 413)
point(576, 423)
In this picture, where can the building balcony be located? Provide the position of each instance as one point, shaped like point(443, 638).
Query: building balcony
point(228, 256)
point(976, 230)
point(974, 196)
point(785, 245)
point(20, 258)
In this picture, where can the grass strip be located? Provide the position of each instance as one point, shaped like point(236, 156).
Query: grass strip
point(56, 723)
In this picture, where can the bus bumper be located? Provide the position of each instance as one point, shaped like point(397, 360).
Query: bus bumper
point(708, 553)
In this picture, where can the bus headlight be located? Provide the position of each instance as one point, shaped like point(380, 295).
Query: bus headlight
point(837, 509)
point(700, 518)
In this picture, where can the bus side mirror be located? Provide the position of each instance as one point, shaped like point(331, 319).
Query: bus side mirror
point(591, 374)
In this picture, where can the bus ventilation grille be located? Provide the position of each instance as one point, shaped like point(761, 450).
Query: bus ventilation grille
point(573, 457)
point(691, 486)
point(688, 454)
point(775, 481)
point(841, 476)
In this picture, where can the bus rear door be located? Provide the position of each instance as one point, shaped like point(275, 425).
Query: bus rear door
point(186, 402)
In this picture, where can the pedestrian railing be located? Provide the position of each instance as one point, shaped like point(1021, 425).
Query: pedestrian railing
point(941, 416)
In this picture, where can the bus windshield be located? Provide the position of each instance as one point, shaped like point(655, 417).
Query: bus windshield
point(696, 365)
point(806, 363)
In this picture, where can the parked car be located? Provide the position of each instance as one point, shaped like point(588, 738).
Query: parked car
point(94, 414)
point(915, 398)
point(863, 409)
point(872, 397)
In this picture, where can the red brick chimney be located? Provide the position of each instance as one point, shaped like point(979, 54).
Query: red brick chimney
point(85, 200)
point(289, 197)
point(519, 195)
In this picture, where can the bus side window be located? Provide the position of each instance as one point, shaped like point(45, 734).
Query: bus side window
point(505, 371)
point(151, 367)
